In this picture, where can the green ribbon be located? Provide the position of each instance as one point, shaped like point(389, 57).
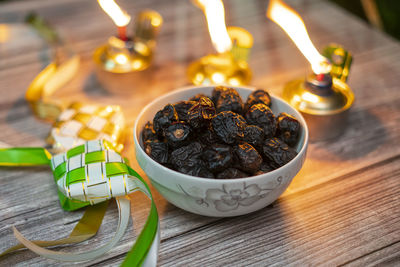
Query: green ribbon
point(24, 156)
point(139, 251)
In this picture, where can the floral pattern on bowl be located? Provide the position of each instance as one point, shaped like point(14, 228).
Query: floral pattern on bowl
point(231, 196)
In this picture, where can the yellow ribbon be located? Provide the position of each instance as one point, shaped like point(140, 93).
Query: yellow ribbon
point(86, 228)
point(53, 77)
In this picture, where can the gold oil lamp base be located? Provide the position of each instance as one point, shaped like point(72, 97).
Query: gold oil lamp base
point(219, 69)
point(120, 56)
point(324, 103)
point(120, 65)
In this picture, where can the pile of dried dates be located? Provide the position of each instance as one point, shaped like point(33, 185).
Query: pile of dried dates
point(220, 136)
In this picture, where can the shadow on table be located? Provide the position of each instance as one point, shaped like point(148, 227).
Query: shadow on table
point(20, 117)
point(105, 83)
point(364, 134)
point(93, 87)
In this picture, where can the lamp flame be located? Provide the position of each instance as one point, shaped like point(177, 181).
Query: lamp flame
point(215, 15)
point(119, 16)
point(290, 21)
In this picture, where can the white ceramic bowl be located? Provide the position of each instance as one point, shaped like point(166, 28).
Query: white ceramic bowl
point(214, 197)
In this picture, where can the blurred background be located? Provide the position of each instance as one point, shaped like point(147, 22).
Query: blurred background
point(382, 14)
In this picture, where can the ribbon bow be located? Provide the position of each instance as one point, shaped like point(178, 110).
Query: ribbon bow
point(88, 174)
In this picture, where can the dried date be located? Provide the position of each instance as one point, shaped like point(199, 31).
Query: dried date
point(208, 136)
point(178, 134)
point(259, 96)
point(218, 157)
point(264, 168)
point(197, 97)
point(229, 126)
point(229, 100)
point(164, 118)
point(288, 129)
point(157, 150)
point(148, 132)
point(248, 159)
point(199, 170)
point(217, 92)
point(254, 135)
point(182, 109)
point(201, 113)
point(277, 153)
point(262, 116)
point(186, 157)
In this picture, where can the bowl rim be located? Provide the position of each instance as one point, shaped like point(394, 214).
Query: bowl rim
point(213, 180)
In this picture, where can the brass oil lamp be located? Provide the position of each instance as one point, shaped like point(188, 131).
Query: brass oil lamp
point(323, 97)
point(229, 64)
point(124, 55)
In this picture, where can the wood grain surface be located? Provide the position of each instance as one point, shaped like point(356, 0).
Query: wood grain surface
point(343, 208)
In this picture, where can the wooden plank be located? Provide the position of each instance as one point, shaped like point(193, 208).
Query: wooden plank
point(387, 256)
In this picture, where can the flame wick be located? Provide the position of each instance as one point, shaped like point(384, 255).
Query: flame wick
point(290, 21)
point(120, 17)
point(122, 33)
point(215, 15)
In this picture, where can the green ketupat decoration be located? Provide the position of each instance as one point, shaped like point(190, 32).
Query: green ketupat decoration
point(341, 61)
point(88, 174)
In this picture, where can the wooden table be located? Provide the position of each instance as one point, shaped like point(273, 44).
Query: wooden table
point(343, 208)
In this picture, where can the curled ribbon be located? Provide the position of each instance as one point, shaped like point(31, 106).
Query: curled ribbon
point(92, 173)
point(60, 71)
